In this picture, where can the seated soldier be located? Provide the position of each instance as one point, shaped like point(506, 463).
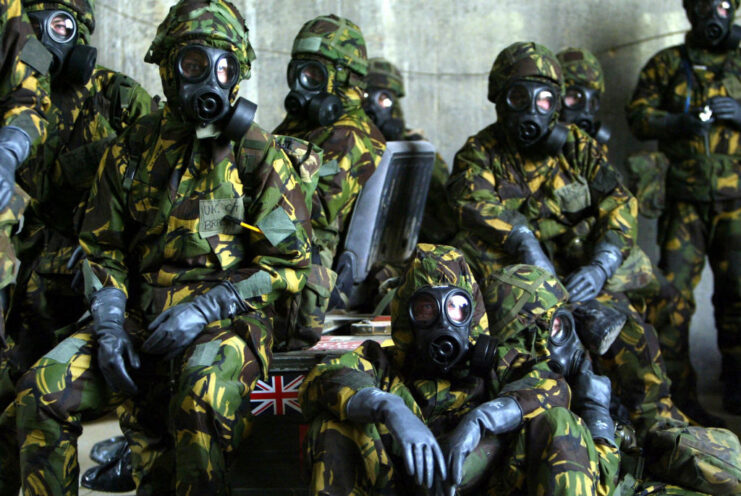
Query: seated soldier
point(425, 403)
point(325, 75)
point(527, 189)
point(196, 224)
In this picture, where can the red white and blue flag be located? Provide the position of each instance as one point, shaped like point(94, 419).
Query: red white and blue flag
point(279, 395)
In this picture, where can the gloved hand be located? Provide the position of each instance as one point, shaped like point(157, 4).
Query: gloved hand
point(726, 109)
point(15, 145)
point(422, 455)
point(177, 327)
point(114, 344)
point(523, 243)
point(586, 282)
point(496, 416)
point(590, 400)
point(682, 124)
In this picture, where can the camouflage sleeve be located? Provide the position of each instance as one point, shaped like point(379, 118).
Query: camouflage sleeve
point(331, 384)
point(533, 384)
point(473, 196)
point(351, 155)
point(282, 251)
point(130, 101)
point(24, 90)
point(616, 209)
point(102, 235)
point(644, 109)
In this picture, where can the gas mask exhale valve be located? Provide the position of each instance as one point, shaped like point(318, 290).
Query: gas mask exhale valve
point(57, 30)
point(528, 109)
point(308, 80)
point(207, 77)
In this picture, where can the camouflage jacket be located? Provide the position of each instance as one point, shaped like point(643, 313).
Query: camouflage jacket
point(682, 79)
point(570, 201)
point(82, 122)
point(353, 148)
point(155, 224)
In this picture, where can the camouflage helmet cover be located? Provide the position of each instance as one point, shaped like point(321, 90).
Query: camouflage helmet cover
point(334, 38)
point(384, 75)
point(434, 265)
point(215, 23)
point(580, 67)
point(83, 10)
point(519, 296)
point(522, 60)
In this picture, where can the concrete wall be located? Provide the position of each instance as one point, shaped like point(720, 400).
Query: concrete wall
point(445, 50)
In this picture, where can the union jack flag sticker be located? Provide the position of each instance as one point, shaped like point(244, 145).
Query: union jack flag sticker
point(279, 395)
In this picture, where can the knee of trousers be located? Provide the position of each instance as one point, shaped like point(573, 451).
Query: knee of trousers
point(32, 389)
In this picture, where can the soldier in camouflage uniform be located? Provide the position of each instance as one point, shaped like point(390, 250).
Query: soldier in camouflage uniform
point(197, 222)
point(383, 93)
point(356, 447)
point(686, 98)
point(528, 190)
point(324, 107)
point(660, 303)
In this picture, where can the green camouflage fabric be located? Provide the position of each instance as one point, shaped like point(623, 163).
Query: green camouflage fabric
point(83, 10)
point(581, 68)
point(553, 447)
point(646, 179)
point(333, 38)
point(523, 60)
point(571, 202)
point(384, 74)
point(703, 197)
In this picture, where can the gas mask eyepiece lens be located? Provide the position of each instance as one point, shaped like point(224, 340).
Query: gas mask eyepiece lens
point(62, 27)
point(424, 310)
point(193, 64)
point(384, 100)
point(574, 99)
point(518, 98)
point(313, 76)
point(227, 70)
point(544, 101)
point(559, 329)
point(458, 308)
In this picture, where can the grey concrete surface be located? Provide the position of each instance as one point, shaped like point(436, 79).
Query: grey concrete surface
point(445, 50)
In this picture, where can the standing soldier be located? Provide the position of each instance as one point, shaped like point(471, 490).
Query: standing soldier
point(661, 303)
point(195, 225)
point(383, 93)
point(326, 78)
point(527, 189)
point(687, 99)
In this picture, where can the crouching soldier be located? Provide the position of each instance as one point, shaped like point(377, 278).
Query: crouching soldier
point(196, 224)
point(396, 420)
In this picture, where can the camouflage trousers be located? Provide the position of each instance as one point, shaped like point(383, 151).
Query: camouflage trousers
point(552, 454)
point(185, 423)
point(662, 305)
point(689, 232)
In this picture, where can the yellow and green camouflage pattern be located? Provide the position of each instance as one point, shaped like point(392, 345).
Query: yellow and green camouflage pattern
point(580, 67)
point(9, 218)
point(334, 38)
point(82, 10)
point(383, 74)
point(349, 458)
point(522, 60)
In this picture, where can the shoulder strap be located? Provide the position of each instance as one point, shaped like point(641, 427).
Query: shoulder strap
point(136, 148)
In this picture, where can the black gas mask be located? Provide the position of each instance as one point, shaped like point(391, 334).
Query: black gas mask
point(206, 77)
point(580, 106)
point(308, 81)
point(566, 349)
point(712, 23)
point(379, 105)
point(57, 31)
point(528, 108)
point(441, 319)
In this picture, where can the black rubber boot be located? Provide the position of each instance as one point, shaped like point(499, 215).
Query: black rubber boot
point(108, 449)
point(112, 477)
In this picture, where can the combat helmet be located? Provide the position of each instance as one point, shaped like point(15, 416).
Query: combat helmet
point(581, 68)
point(82, 10)
point(523, 60)
point(338, 40)
point(385, 75)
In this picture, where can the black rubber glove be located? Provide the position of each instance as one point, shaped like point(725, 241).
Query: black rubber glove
point(523, 243)
point(422, 455)
point(114, 344)
point(496, 416)
point(590, 400)
point(586, 282)
point(177, 327)
point(726, 109)
point(15, 145)
point(682, 124)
